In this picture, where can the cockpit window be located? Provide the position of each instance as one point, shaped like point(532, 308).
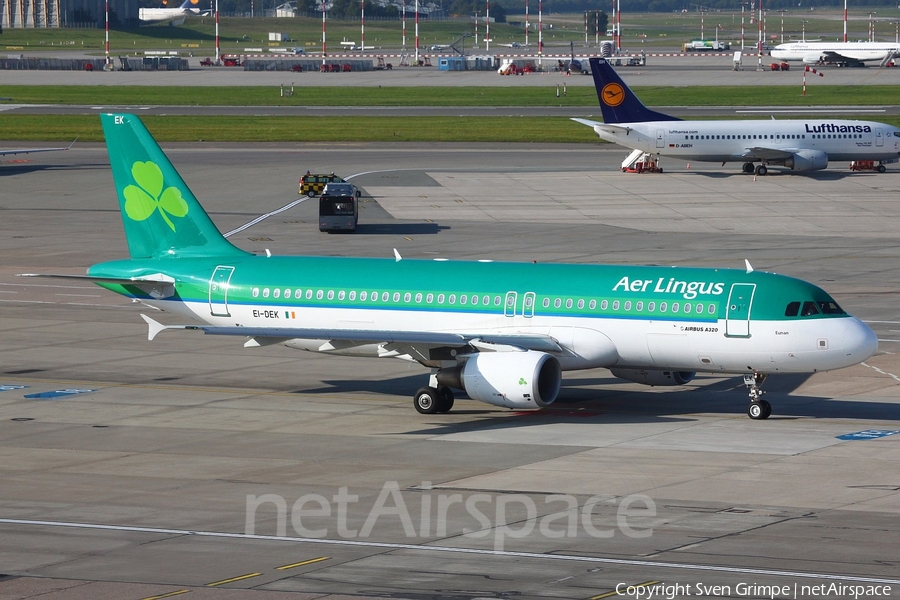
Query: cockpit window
point(830, 308)
point(792, 310)
point(809, 309)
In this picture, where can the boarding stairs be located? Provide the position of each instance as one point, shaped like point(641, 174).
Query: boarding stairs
point(889, 57)
point(640, 162)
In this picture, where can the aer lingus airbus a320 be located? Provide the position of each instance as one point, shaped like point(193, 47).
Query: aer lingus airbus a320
point(503, 332)
point(798, 144)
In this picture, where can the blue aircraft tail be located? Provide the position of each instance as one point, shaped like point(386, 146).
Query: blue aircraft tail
point(617, 101)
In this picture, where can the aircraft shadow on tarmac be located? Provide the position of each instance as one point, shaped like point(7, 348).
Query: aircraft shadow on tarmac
point(23, 168)
point(400, 228)
point(774, 172)
point(603, 401)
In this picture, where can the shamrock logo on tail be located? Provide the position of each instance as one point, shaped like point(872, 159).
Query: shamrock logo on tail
point(143, 199)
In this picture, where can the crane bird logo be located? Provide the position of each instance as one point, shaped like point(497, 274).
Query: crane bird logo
point(613, 94)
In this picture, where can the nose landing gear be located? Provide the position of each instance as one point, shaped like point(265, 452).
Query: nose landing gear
point(759, 409)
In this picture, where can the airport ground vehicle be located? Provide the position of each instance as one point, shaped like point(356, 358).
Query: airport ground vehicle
point(339, 207)
point(867, 165)
point(312, 184)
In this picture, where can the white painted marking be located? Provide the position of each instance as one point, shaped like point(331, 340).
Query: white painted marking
point(849, 111)
point(422, 548)
point(877, 370)
point(265, 216)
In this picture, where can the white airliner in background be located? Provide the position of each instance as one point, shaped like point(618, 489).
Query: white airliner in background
point(798, 144)
point(836, 52)
point(32, 150)
point(155, 15)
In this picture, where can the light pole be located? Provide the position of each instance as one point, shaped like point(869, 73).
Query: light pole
point(217, 33)
point(743, 4)
point(487, 27)
point(759, 41)
point(782, 11)
point(527, 26)
point(845, 21)
point(871, 28)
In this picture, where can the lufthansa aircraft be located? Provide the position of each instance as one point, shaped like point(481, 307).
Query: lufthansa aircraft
point(177, 15)
point(798, 144)
point(503, 332)
point(836, 52)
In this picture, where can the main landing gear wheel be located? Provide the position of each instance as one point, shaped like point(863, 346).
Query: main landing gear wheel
point(427, 400)
point(748, 167)
point(881, 168)
point(759, 410)
point(445, 395)
point(761, 170)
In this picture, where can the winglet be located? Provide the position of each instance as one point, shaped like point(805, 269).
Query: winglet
point(397, 256)
point(155, 327)
point(749, 267)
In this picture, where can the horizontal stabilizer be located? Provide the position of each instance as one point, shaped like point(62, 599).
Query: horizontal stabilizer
point(156, 327)
point(157, 285)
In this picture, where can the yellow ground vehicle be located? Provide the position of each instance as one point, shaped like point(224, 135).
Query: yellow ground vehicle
point(312, 184)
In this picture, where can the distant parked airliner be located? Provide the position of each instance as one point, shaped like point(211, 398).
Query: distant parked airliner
point(798, 144)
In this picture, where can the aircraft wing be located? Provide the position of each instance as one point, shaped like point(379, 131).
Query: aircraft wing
point(403, 342)
point(764, 153)
point(31, 150)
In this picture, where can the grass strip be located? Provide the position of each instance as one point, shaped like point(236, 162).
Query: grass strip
point(306, 129)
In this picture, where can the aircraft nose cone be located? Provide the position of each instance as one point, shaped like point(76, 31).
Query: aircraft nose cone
point(860, 341)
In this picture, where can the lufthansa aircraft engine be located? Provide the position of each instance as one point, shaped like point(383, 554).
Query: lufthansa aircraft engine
point(652, 377)
point(527, 379)
point(807, 160)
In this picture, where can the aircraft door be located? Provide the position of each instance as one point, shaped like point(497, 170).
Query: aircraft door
point(660, 138)
point(879, 137)
point(509, 308)
point(528, 305)
point(737, 317)
point(218, 291)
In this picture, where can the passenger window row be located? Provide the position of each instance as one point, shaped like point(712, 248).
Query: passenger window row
point(747, 136)
point(486, 300)
point(375, 296)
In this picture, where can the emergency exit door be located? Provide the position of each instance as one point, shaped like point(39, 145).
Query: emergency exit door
point(218, 291)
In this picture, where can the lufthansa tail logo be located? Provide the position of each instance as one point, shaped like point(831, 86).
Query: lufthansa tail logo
point(613, 94)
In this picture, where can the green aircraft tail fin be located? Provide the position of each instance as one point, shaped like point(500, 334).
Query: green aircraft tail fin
point(160, 213)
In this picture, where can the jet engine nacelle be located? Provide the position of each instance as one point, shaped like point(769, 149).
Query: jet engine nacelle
point(527, 379)
point(807, 160)
point(654, 377)
point(812, 59)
